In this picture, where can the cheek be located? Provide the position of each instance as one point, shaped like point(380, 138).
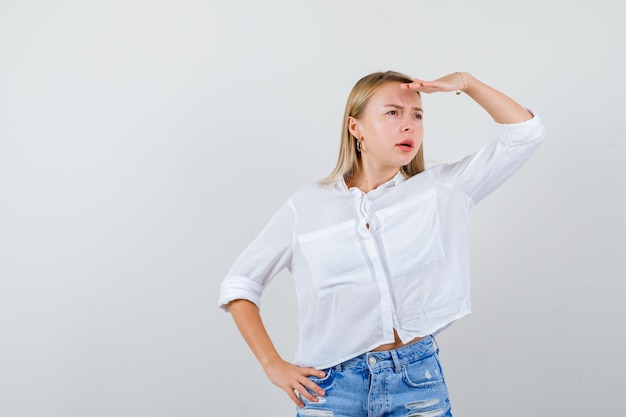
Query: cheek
point(419, 132)
point(378, 134)
point(380, 128)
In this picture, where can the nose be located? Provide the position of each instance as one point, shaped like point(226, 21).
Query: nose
point(408, 124)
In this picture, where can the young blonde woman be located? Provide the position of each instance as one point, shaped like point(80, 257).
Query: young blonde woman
point(378, 253)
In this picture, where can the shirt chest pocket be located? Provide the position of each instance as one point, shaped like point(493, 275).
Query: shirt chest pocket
point(411, 233)
point(335, 257)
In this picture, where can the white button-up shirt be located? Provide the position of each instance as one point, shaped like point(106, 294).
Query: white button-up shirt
point(365, 264)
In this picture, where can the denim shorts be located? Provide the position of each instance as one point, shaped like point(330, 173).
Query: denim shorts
point(403, 382)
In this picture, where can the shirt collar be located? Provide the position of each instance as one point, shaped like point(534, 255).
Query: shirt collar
point(396, 180)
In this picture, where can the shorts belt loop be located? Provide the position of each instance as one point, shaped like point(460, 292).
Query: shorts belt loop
point(435, 343)
point(338, 367)
point(396, 361)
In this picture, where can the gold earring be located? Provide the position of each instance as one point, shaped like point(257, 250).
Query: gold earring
point(358, 145)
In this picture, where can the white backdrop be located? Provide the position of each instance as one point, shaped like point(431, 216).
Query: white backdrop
point(143, 144)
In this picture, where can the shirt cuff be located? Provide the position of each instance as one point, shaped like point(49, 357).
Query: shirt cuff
point(235, 288)
point(523, 132)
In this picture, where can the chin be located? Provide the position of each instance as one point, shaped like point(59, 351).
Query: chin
point(406, 161)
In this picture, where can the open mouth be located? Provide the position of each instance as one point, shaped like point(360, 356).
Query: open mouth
point(406, 145)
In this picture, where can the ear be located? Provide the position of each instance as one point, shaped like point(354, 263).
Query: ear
point(354, 127)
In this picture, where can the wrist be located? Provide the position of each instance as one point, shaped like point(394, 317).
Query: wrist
point(270, 362)
point(468, 81)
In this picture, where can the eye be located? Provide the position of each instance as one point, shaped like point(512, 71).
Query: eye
point(418, 116)
point(392, 112)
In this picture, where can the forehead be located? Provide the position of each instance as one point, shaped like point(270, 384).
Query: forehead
point(392, 93)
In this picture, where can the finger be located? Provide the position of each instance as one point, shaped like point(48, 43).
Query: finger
point(303, 392)
point(426, 86)
point(415, 85)
point(313, 372)
point(432, 84)
point(310, 384)
point(424, 89)
point(315, 388)
point(435, 87)
point(294, 397)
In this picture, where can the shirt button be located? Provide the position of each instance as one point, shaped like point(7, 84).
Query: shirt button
point(372, 360)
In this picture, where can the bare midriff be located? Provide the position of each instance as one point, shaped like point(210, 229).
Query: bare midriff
point(397, 343)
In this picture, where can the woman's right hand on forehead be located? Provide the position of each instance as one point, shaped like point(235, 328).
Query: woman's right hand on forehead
point(451, 82)
point(500, 107)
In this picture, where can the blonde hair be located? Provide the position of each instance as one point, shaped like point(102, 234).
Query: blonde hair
point(349, 157)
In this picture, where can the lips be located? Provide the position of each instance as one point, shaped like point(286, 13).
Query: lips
point(406, 145)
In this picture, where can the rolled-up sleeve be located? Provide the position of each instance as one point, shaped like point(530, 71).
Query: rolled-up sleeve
point(479, 174)
point(257, 265)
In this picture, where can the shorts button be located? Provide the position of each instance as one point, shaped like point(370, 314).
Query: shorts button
point(371, 360)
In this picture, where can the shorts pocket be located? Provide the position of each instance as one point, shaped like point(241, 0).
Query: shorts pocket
point(423, 373)
point(335, 257)
point(411, 233)
point(325, 382)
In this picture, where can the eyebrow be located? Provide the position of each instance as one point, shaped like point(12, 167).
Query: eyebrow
point(395, 106)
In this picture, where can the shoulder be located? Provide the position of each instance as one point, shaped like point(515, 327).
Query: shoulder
point(312, 200)
point(314, 191)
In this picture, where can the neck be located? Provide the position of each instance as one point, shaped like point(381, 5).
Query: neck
point(367, 181)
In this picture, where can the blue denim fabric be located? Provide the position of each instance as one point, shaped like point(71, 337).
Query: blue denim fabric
point(404, 382)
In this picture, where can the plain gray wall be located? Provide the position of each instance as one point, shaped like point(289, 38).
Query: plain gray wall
point(143, 144)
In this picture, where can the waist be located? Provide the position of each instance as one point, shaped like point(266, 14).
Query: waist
point(396, 344)
point(397, 357)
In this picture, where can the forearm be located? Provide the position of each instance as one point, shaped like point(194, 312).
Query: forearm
point(500, 107)
point(248, 319)
point(291, 378)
